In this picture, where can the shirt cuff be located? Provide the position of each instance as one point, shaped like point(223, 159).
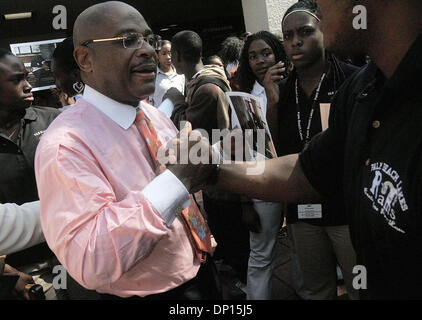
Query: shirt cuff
point(176, 196)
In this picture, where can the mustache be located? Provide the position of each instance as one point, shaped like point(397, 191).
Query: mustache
point(149, 62)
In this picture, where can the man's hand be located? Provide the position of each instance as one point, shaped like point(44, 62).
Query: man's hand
point(189, 157)
point(23, 280)
point(273, 76)
point(174, 95)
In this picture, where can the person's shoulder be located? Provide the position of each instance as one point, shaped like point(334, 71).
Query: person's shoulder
point(359, 78)
point(213, 86)
point(352, 87)
point(41, 116)
point(348, 68)
point(45, 111)
point(210, 93)
point(71, 119)
point(72, 129)
point(209, 87)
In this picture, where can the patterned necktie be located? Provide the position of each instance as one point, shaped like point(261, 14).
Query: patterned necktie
point(195, 224)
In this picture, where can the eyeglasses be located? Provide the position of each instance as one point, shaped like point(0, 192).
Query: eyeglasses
point(132, 41)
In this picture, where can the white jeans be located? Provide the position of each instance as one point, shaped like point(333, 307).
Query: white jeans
point(262, 244)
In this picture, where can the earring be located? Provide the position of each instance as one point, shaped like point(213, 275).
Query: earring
point(79, 87)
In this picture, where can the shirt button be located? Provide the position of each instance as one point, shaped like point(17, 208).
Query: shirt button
point(376, 124)
point(367, 162)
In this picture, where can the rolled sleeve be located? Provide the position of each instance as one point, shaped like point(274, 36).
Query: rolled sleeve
point(176, 199)
point(95, 236)
point(20, 226)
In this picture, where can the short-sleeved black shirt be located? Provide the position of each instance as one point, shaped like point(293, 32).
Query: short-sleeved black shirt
point(371, 156)
point(17, 176)
point(289, 138)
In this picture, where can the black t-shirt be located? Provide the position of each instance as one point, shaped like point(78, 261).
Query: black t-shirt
point(371, 156)
point(289, 138)
point(17, 178)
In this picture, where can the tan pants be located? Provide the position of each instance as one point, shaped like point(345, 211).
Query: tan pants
point(319, 250)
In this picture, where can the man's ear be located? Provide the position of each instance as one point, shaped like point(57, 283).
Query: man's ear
point(83, 57)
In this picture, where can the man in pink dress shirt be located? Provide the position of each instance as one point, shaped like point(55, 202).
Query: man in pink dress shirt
point(112, 222)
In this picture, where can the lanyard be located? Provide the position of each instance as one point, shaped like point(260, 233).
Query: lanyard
point(299, 123)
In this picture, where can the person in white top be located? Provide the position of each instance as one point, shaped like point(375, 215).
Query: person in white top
point(20, 226)
point(261, 51)
point(167, 77)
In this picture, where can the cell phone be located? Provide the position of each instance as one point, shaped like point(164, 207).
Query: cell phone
point(35, 291)
point(286, 67)
point(286, 71)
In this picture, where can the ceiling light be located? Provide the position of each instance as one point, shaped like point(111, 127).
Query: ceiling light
point(21, 15)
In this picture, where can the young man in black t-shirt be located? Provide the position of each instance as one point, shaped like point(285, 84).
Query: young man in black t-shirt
point(371, 154)
point(319, 231)
point(21, 127)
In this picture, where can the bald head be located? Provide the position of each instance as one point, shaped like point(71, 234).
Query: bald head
point(92, 22)
point(124, 74)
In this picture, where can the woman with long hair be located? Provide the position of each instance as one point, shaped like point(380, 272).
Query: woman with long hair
point(261, 51)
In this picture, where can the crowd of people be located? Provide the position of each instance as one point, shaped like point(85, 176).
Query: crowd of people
point(83, 186)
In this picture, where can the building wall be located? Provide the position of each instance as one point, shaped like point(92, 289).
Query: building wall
point(264, 14)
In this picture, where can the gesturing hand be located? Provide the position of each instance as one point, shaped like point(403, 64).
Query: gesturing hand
point(23, 280)
point(189, 157)
point(174, 95)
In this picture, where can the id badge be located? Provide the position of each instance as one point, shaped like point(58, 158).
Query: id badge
point(324, 109)
point(309, 211)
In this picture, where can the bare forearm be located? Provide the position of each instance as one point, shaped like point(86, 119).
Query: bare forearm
point(280, 180)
